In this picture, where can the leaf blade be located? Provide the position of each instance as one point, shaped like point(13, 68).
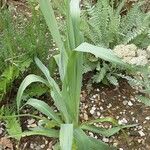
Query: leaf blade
point(25, 83)
point(44, 108)
point(66, 136)
point(103, 53)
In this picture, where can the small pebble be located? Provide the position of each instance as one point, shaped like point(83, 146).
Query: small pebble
point(85, 116)
point(125, 102)
point(147, 118)
point(132, 113)
point(139, 140)
point(94, 96)
point(115, 144)
point(92, 111)
point(105, 139)
point(42, 146)
point(123, 97)
point(91, 134)
point(101, 108)
point(97, 90)
point(94, 108)
point(98, 114)
point(109, 106)
point(46, 142)
point(1, 131)
point(30, 121)
point(141, 133)
point(122, 121)
point(32, 125)
point(130, 103)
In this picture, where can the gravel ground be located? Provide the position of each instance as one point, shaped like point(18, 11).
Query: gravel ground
point(121, 104)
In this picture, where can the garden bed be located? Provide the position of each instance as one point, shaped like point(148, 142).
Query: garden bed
point(99, 101)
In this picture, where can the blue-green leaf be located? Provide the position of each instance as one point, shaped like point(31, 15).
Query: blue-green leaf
point(66, 136)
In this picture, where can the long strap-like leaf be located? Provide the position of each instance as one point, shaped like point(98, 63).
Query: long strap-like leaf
point(55, 91)
point(44, 108)
point(66, 136)
point(50, 18)
point(25, 83)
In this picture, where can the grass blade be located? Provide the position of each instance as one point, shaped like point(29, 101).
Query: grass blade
point(46, 72)
point(106, 119)
point(99, 145)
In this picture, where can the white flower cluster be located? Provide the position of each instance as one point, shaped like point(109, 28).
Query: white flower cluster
point(132, 55)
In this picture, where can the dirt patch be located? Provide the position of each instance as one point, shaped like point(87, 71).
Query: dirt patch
point(119, 103)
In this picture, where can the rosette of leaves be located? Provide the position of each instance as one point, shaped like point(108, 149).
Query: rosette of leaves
point(65, 124)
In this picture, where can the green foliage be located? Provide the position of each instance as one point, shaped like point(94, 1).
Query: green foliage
point(13, 127)
point(140, 80)
point(104, 24)
point(21, 39)
point(107, 26)
point(12, 124)
point(67, 98)
point(66, 136)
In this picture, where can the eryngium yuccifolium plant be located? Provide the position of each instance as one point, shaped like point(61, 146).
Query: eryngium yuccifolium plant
point(65, 124)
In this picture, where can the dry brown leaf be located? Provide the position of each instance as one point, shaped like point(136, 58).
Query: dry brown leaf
point(6, 143)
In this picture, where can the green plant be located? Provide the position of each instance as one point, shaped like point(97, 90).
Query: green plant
point(140, 80)
point(103, 71)
point(65, 124)
point(12, 124)
point(106, 25)
point(3, 4)
point(21, 39)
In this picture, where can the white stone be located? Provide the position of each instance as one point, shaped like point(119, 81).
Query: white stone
point(1, 131)
point(105, 139)
point(93, 108)
point(141, 133)
point(92, 111)
point(85, 116)
point(122, 121)
point(101, 108)
point(97, 90)
point(91, 134)
point(125, 102)
point(130, 103)
point(147, 118)
point(98, 114)
point(30, 121)
point(109, 105)
point(94, 96)
point(42, 146)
